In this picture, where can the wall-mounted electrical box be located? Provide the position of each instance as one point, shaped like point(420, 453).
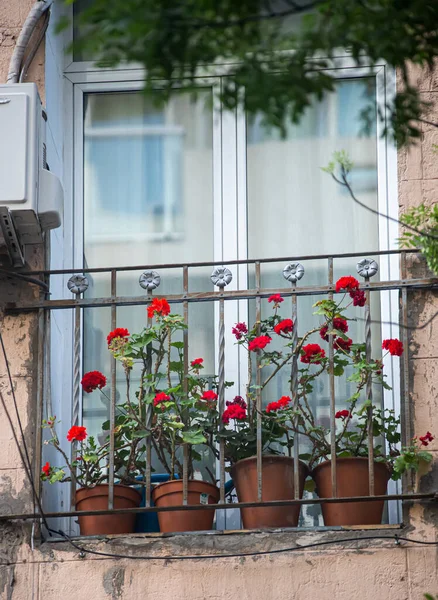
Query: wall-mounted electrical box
point(31, 197)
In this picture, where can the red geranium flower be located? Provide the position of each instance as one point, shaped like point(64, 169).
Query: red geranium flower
point(282, 403)
point(234, 411)
point(46, 469)
point(161, 397)
point(77, 434)
point(338, 323)
point(239, 329)
point(349, 284)
point(239, 401)
point(425, 439)
point(284, 326)
point(93, 380)
point(394, 347)
point(323, 333)
point(276, 298)
point(312, 353)
point(119, 332)
point(259, 343)
point(342, 414)
point(158, 306)
point(341, 344)
point(359, 298)
point(197, 362)
point(209, 395)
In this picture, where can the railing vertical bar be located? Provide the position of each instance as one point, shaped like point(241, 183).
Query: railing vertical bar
point(369, 392)
point(76, 389)
point(332, 394)
point(221, 394)
point(185, 384)
point(148, 440)
point(294, 390)
point(112, 415)
point(258, 391)
point(405, 409)
point(42, 331)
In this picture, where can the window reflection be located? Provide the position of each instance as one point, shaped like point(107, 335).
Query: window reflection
point(148, 199)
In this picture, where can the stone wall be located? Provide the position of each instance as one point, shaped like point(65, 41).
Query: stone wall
point(369, 569)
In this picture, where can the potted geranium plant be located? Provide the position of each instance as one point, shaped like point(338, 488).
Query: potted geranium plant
point(361, 416)
point(354, 422)
point(283, 419)
point(176, 409)
point(276, 425)
point(87, 470)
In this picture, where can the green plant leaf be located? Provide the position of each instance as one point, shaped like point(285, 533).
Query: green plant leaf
point(194, 437)
point(141, 433)
point(179, 345)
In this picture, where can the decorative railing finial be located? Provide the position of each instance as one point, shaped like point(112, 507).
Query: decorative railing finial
point(149, 280)
point(367, 268)
point(77, 284)
point(293, 272)
point(221, 277)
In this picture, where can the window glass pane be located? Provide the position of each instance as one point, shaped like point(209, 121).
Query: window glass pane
point(148, 199)
point(296, 209)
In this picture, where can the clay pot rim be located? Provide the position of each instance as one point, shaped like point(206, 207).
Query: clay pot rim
point(159, 486)
point(279, 457)
point(106, 485)
point(348, 458)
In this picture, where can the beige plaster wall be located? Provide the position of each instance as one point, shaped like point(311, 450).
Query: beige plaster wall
point(418, 183)
point(12, 15)
point(374, 570)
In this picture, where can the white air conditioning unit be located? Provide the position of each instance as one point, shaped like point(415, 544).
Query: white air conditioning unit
point(31, 197)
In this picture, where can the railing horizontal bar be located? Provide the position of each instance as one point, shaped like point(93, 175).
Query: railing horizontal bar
point(246, 261)
point(153, 509)
point(209, 296)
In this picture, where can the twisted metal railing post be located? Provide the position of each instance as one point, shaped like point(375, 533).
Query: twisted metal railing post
point(258, 380)
point(186, 450)
point(366, 269)
point(293, 272)
point(112, 415)
point(149, 281)
point(77, 284)
point(405, 407)
point(333, 464)
point(221, 277)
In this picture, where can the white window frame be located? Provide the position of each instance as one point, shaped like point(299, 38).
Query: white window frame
point(230, 195)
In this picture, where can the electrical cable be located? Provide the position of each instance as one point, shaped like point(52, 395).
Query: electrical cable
point(26, 468)
point(25, 458)
point(28, 61)
point(26, 278)
point(396, 538)
point(37, 10)
point(17, 413)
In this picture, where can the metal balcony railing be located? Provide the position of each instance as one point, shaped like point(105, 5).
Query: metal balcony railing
point(290, 285)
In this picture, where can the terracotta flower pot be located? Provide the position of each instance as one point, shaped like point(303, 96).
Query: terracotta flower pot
point(278, 484)
point(170, 493)
point(352, 480)
point(96, 498)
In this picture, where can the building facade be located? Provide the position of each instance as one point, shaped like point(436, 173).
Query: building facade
point(214, 188)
